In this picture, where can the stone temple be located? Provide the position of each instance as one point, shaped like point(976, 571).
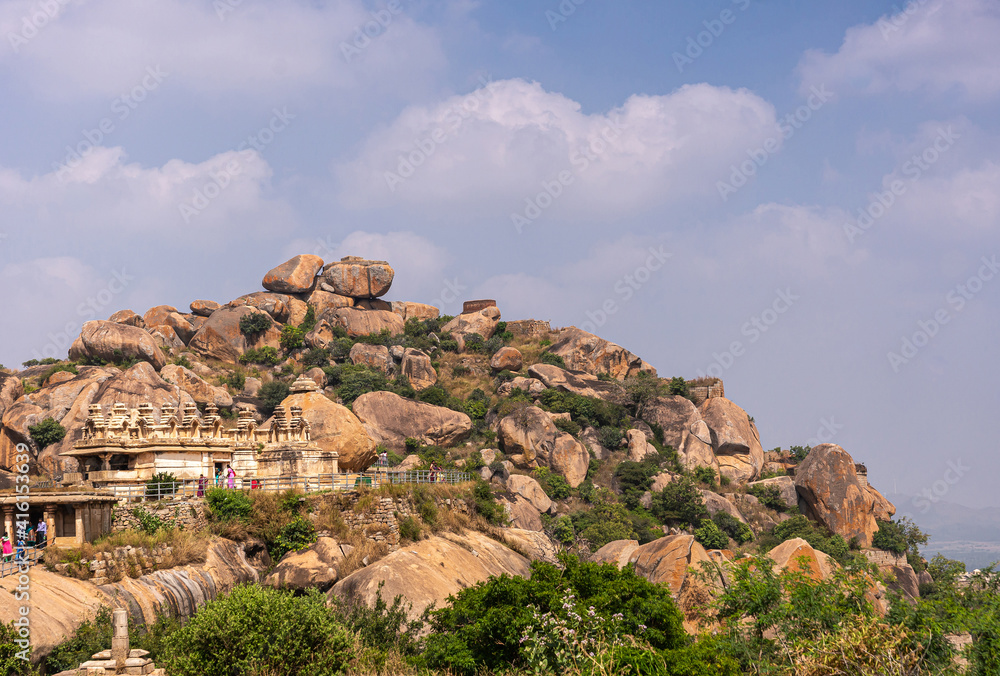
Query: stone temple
point(132, 445)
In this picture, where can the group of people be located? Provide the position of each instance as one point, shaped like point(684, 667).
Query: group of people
point(227, 478)
point(31, 537)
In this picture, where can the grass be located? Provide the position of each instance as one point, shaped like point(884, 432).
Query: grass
point(461, 386)
point(187, 547)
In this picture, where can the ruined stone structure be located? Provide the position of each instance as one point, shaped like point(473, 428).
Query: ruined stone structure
point(131, 446)
point(471, 306)
point(700, 393)
point(121, 659)
point(71, 518)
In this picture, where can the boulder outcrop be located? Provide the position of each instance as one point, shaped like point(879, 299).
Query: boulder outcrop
point(334, 428)
point(576, 382)
point(112, 342)
point(296, 275)
point(734, 438)
point(483, 322)
point(127, 317)
point(785, 486)
point(583, 351)
point(532, 436)
point(200, 391)
point(408, 310)
point(163, 316)
point(220, 337)
point(828, 485)
point(416, 367)
point(675, 414)
point(507, 359)
point(427, 572)
point(390, 419)
point(278, 305)
point(358, 278)
point(797, 555)
point(314, 566)
point(359, 322)
point(204, 308)
point(373, 356)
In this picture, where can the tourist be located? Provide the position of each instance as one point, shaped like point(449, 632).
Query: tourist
point(29, 535)
point(43, 534)
point(434, 471)
point(8, 550)
point(231, 477)
point(218, 477)
point(202, 481)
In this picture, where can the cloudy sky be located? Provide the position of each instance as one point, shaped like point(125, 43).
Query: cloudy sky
point(803, 198)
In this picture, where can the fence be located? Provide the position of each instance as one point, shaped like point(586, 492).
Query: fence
point(189, 488)
point(13, 565)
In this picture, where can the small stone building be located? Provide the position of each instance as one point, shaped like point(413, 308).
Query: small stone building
point(71, 518)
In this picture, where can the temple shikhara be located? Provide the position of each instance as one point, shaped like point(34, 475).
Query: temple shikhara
point(130, 445)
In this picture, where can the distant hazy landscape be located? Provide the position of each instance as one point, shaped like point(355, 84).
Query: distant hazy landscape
point(956, 531)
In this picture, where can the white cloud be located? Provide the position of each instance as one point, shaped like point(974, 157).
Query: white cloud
point(929, 46)
point(248, 47)
point(499, 146)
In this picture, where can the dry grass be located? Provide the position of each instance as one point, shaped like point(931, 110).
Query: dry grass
point(363, 548)
point(186, 547)
point(462, 386)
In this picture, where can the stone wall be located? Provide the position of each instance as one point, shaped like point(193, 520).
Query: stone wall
point(699, 393)
point(188, 514)
point(531, 329)
point(379, 517)
point(881, 559)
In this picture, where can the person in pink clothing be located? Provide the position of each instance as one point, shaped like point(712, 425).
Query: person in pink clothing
point(231, 480)
point(8, 549)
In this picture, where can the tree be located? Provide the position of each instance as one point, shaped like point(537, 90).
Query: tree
point(46, 433)
point(272, 394)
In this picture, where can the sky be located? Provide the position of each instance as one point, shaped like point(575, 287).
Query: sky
point(802, 198)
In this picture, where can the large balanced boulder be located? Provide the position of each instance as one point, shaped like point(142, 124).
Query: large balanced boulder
point(734, 438)
point(484, 322)
point(112, 342)
point(220, 337)
point(357, 322)
point(390, 419)
point(583, 351)
point(429, 571)
point(507, 359)
point(127, 317)
point(203, 308)
point(576, 382)
point(163, 317)
point(314, 566)
point(334, 428)
point(408, 310)
point(296, 275)
point(828, 486)
point(358, 278)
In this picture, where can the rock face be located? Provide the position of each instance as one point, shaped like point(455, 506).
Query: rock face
point(278, 305)
point(638, 447)
point(715, 503)
point(296, 275)
point(322, 301)
point(203, 308)
point(334, 428)
point(675, 414)
point(127, 317)
point(416, 367)
point(665, 560)
point(390, 419)
point(357, 277)
point(788, 556)
point(408, 310)
point(530, 490)
point(373, 356)
point(828, 485)
point(314, 566)
point(429, 571)
point(785, 486)
point(734, 438)
point(584, 351)
point(884, 510)
point(507, 358)
point(163, 316)
point(483, 322)
point(531, 435)
point(696, 447)
point(363, 322)
point(200, 391)
point(578, 382)
point(110, 341)
point(220, 337)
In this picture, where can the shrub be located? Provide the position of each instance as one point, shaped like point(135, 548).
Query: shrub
point(409, 529)
point(563, 531)
point(554, 485)
point(292, 337)
point(264, 355)
point(272, 394)
point(474, 343)
point(733, 527)
point(487, 505)
point(448, 345)
point(553, 359)
point(340, 348)
point(353, 380)
point(161, 485)
point(316, 356)
point(382, 626)
point(459, 371)
point(150, 523)
point(69, 368)
point(227, 505)
point(258, 630)
point(769, 495)
point(235, 380)
point(800, 527)
point(309, 321)
point(46, 433)
point(641, 389)
point(297, 535)
point(10, 663)
point(799, 453)
point(710, 536)
point(568, 426)
point(435, 394)
point(705, 475)
point(505, 376)
point(633, 479)
point(610, 437)
point(40, 362)
point(680, 500)
point(606, 522)
point(678, 387)
point(254, 323)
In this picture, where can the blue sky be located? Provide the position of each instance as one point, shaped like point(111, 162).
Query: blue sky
point(553, 160)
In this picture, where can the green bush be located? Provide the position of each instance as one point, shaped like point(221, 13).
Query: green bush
point(487, 505)
point(606, 522)
point(568, 426)
point(309, 321)
point(563, 531)
point(889, 537)
point(42, 362)
point(340, 348)
point(272, 394)
point(10, 662)
point(228, 505)
point(295, 536)
point(553, 359)
point(680, 500)
point(799, 453)
point(264, 355)
point(316, 356)
point(705, 475)
point(409, 529)
point(633, 479)
point(678, 387)
point(46, 433)
point(382, 627)
point(292, 337)
point(254, 323)
point(769, 495)
point(161, 485)
point(258, 630)
point(353, 380)
point(733, 527)
point(799, 526)
point(69, 368)
point(150, 523)
point(435, 395)
point(235, 380)
point(610, 437)
point(554, 485)
point(710, 536)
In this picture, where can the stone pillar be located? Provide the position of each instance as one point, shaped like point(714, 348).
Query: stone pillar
point(119, 638)
point(8, 522)
point(80, 533)
point(50, 522)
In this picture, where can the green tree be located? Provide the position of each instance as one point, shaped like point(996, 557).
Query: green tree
point(273, 393)
point(680, 501)
point(254, 323)
point(46, 433)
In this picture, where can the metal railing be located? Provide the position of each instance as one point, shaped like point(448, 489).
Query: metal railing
point(191, 488)
point(11, 563)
